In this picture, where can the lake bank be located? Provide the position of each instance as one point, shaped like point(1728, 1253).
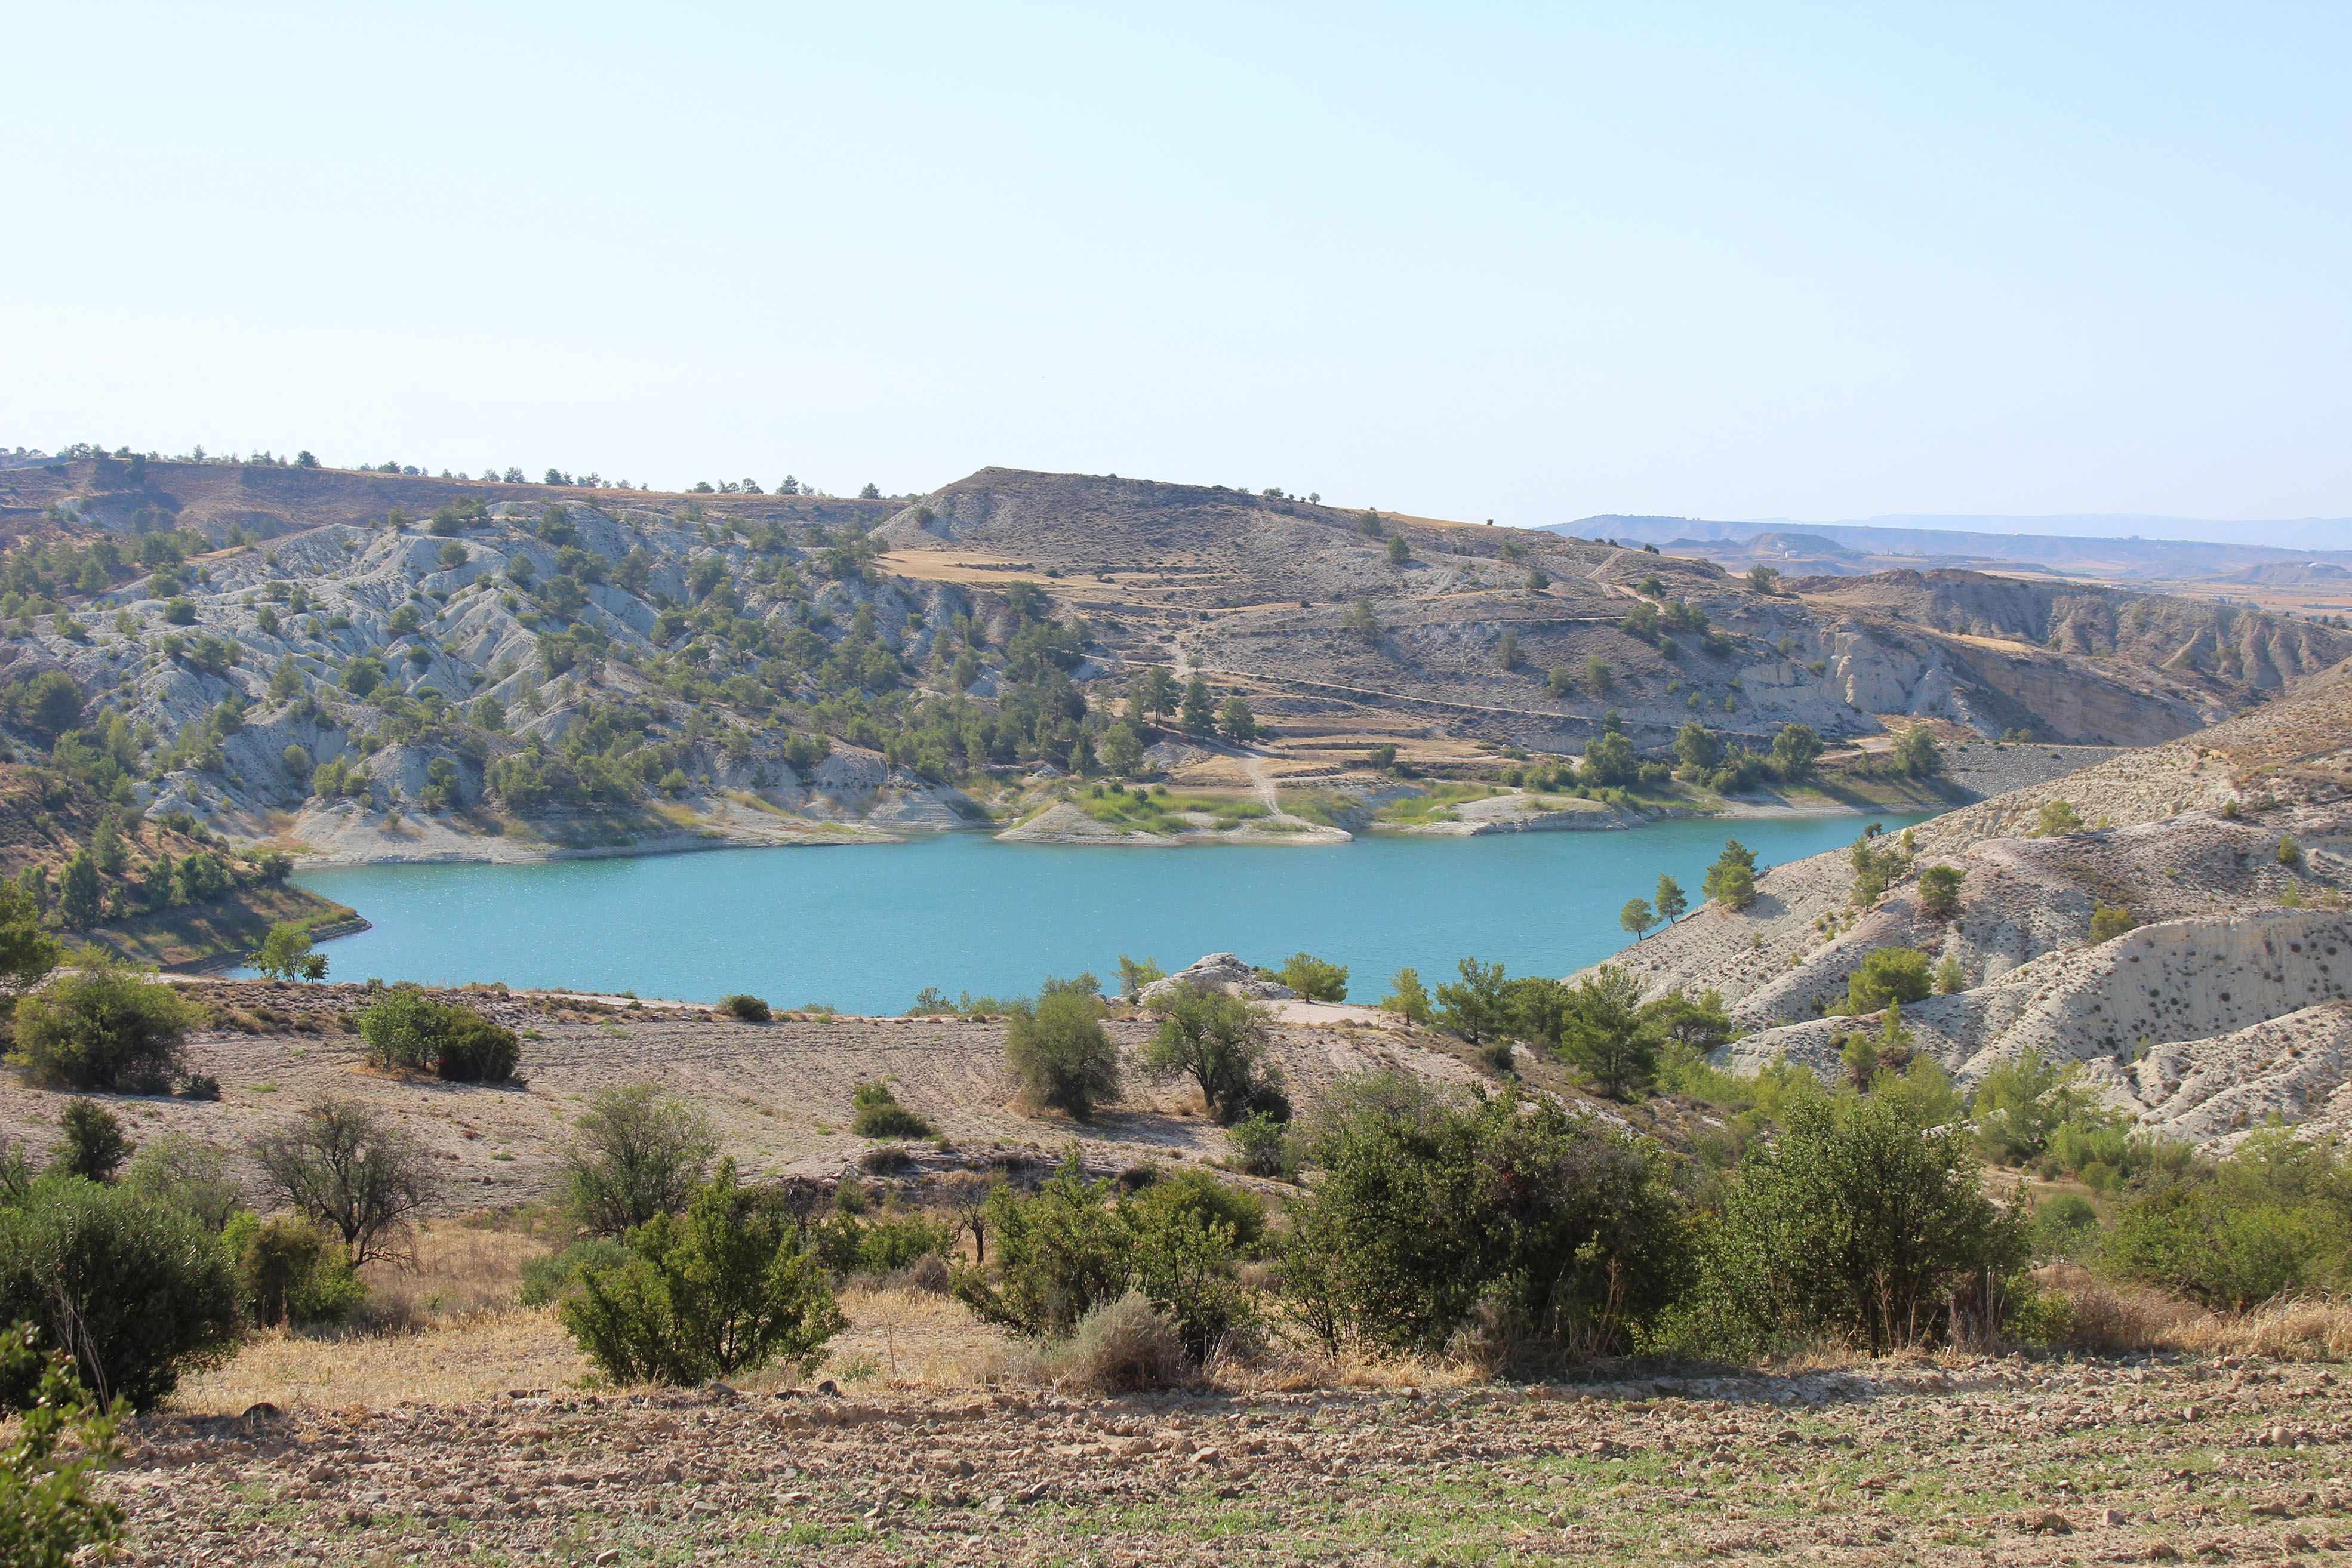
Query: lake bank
point(423, 840)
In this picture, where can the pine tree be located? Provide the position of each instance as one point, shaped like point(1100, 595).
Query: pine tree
point(79, 900)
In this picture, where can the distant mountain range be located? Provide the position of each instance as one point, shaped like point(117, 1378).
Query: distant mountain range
point(2169, 547)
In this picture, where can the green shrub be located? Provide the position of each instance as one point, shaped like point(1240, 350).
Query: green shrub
point(290, 1269)
point(2064, 1227)
point(175, 1169)
point(2057, 820)
point(2109, 920)
point(2193, 1241)
point(93, 1146)
point(637, 1154)
point(1066, 1251)
point(137, 1292)
point(104, 1028)
point(1057, 1049)
point(878, 1115)
point(891, 1241)
point(748, 1009)
point(1060, 1253)
point(1262, 1146)
point(1940, 892)
point(551, 1275)
point(1858, 1222)
point(406, 1031)
point(1313, 978)
point(1181, 1249)
point(472, 1050)
point(1195, 1191)
point(1432, 1205)
point(50, 1512)
point(724, 1287)
point(2274, 1219)
point(1888, 975)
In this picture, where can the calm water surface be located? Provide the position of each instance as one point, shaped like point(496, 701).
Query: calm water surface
point(864, 927)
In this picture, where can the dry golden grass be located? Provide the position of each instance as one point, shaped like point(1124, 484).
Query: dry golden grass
point(2309, 1330)
point(442, 1330)
point(2110, 1317)
point(447, 1330)
point(448, 1362)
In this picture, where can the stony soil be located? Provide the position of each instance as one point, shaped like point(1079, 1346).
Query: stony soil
point(1982, 1461)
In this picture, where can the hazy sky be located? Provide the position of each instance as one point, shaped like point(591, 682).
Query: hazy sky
point(1519, 262)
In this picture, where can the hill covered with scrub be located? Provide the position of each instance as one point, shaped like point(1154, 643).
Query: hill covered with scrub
point(370, 665)
point(2173, 924)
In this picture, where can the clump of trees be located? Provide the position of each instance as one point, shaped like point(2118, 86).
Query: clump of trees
point(1432, 1211)
point(104, 1028)
point(407, 1030)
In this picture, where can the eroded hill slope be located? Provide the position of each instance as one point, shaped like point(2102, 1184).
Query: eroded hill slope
point(2231, 850)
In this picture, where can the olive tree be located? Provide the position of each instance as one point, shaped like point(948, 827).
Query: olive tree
point(1220, 1042)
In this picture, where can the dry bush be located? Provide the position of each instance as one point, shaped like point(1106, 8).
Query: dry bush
point(2108, 1317)
point(1122, 1346)
point(928, 1275)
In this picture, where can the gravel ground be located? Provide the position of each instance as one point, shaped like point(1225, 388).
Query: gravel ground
point(1985, 1461)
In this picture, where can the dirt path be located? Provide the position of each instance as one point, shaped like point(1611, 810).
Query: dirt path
point(1989, 1462)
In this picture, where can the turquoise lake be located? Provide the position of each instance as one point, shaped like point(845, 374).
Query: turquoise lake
point(863, 927)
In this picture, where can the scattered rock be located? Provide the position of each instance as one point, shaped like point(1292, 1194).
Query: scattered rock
point(1218, 972)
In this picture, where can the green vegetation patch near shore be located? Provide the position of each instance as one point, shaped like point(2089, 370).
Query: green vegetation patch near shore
point(1168, 814)
point(1434, 804)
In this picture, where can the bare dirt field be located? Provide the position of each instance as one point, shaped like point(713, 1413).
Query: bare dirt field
point(778, 1094)
point(1985, 1461)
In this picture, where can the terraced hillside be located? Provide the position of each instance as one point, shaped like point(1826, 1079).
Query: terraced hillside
point(2224, 860)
